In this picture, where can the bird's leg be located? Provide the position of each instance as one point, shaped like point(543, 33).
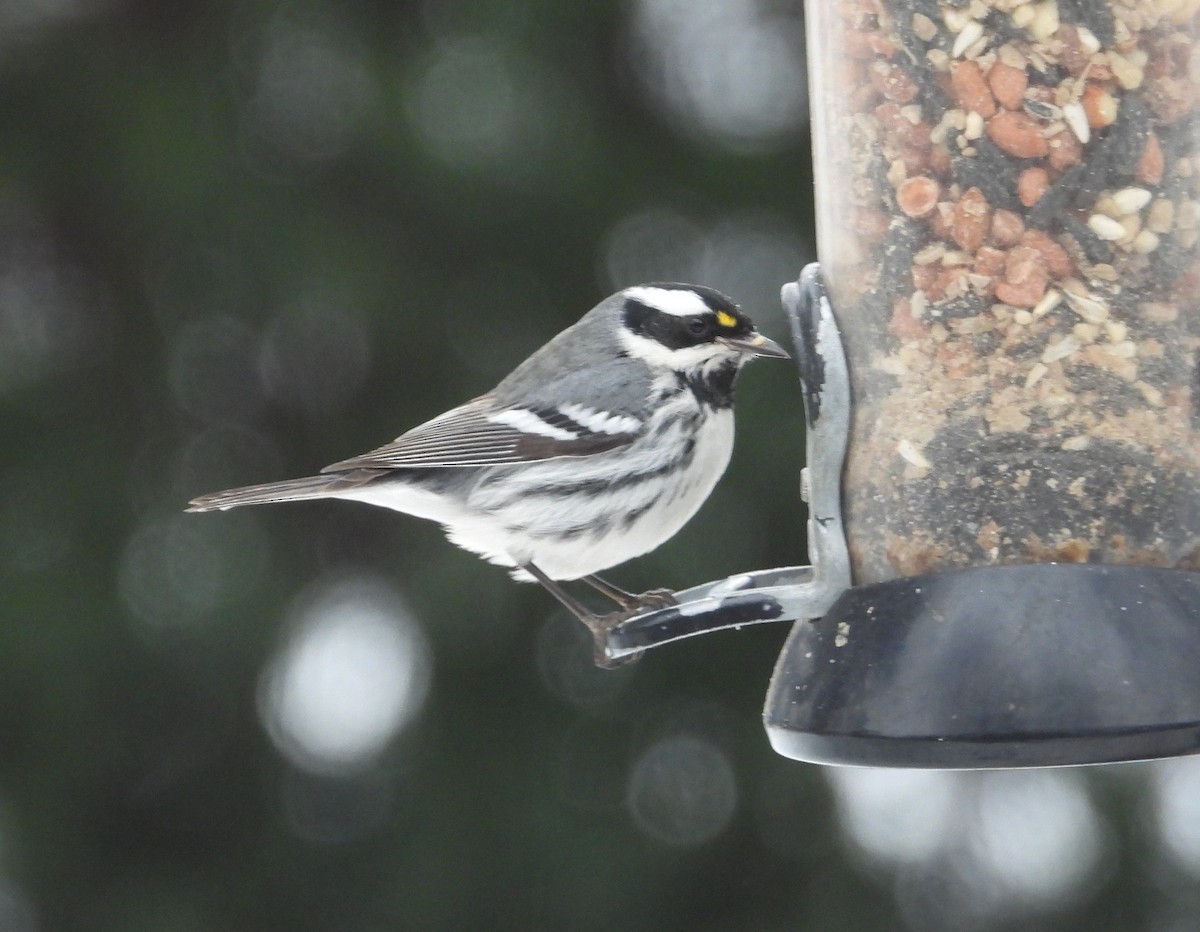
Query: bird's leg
point(654, 598)
point(599, 625)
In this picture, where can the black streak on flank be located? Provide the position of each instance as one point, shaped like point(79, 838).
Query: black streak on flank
point(595, 486)
point(634, 515)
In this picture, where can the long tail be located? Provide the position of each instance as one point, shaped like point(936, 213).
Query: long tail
point(289, 490)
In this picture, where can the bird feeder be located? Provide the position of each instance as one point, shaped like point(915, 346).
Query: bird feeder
point(999, 360)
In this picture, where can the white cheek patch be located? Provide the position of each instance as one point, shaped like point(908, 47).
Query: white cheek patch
point(600, 422)
point(674, 301)
point(529, 423)
point(654, 353)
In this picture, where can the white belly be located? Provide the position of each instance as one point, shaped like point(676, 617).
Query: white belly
point(571, 537)
point(509, 519)
point(575, 516)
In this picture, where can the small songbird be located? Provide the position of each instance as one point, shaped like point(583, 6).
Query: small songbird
point(595, 450)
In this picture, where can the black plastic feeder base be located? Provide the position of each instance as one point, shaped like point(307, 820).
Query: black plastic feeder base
point(1015, 666)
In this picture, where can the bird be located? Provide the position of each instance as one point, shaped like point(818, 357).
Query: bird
point(596, 449)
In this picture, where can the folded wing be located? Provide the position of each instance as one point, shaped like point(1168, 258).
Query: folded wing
point(485, 433)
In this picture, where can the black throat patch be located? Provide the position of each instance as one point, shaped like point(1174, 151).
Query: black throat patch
point(713, 388)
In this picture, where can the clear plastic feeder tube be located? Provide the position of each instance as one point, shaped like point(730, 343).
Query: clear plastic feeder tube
point(1009, 223)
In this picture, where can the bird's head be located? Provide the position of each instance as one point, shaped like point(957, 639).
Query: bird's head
point(688, 328)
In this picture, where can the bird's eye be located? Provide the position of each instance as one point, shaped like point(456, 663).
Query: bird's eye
point(698, 326)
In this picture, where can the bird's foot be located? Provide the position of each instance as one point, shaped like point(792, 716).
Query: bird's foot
point(631, 602)
point(654, 599)
point(600, 626)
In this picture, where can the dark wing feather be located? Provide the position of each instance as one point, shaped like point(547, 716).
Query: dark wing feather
point(468, 436)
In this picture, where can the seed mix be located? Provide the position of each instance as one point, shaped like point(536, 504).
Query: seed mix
point(1009, 217)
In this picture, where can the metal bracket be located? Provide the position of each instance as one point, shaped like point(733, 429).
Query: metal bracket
point(794, 592)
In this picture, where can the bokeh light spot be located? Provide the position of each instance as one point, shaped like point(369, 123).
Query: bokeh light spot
point(566, 663)
point(213, 370)
point(480, 103)
point(1038, 838)
point(745, 255)
point(23, 21)
point(974, 850)
point(490, 345)
point(315, 356)
point(218, 457)
point(450, 18)
point(467, 104)
point(1176, 786)
point(653, 245)
point(353, 672)
point(312, 92)
point(682, 791)
point(894, 816)
point(176, 571)
point(17, 912)
point(50, 311)
point(731, 71)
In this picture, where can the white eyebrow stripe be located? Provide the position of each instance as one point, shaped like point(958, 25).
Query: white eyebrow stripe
point(600, 422)
point(681, 302)
point(530, 423)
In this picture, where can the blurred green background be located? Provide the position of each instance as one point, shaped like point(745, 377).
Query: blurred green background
point(242, 240)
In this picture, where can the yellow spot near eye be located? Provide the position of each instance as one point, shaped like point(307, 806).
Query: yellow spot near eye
point(726, 320)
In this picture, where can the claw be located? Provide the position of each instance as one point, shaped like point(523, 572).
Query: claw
point(600, 626)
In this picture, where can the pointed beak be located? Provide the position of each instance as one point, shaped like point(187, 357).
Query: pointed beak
point(755, 345)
